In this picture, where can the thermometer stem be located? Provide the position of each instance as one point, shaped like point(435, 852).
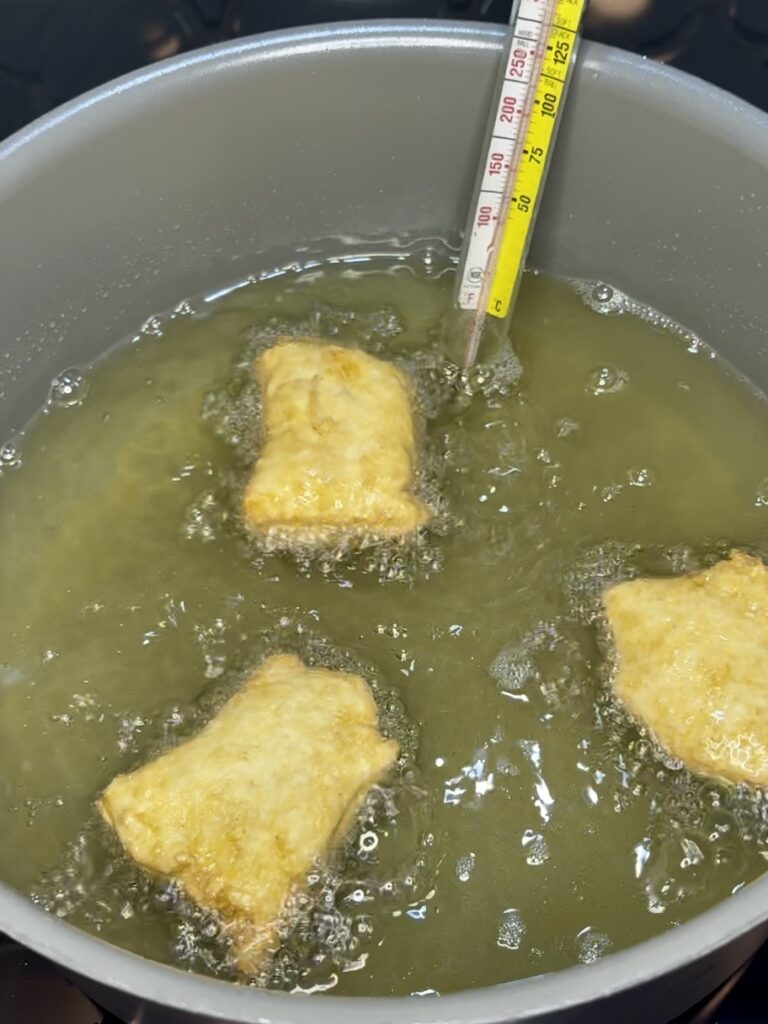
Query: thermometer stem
point(537, 62)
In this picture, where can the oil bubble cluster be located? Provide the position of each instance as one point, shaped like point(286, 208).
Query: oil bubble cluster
point(68, 389)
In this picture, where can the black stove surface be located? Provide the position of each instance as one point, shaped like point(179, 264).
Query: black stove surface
point(53, 50)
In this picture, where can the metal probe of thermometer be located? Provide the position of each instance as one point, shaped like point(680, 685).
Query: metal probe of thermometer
point(538, 59)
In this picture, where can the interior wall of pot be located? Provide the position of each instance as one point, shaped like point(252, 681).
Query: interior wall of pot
point(164, 189)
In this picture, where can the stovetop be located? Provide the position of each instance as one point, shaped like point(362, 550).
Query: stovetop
point(53, 50)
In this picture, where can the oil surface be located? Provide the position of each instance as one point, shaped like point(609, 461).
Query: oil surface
point(530, 825)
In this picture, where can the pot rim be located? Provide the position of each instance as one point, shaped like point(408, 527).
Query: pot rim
point(708, 108)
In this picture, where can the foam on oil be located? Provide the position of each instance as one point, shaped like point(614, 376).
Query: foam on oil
point(529, 825)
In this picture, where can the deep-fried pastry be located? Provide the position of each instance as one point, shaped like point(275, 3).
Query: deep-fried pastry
point(239, 814)
point(692, 664)
point(338, 456)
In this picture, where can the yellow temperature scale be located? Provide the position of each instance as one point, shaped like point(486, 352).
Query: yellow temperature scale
point(538, 59)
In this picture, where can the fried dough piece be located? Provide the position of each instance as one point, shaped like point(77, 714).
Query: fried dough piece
point(240, 813)
point(692, 664)
point(339, 449)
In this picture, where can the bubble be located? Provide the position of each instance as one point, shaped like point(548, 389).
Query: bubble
point(392, 629)
point(598, 568)
point(602, 298)
point(368, 841)
point(692, 854)
point(383, 326)
point(152, 326)
point(357, 895)
point(10, 457)
point(536, 849)
point(205, 517)
point(465, 865)
point(597, 297)
point(362, 927)
point(566, 426)
point(68, 389)
point(611, 492)
point(591, 945)
point(215, 665)
point(761, 498)
point(431, 261)
point(513, 669)
point(489, 379)
point(543, 664)
point(511, 929)
point(640, 477)
point(606, 380)
point(602, 293)
point(130, 726)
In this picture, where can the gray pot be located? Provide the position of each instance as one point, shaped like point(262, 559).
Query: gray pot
point(177, 178)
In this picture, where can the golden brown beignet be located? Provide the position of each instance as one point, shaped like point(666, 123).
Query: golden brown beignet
point(239, 814)
point(339, 451)
point(692, 664)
